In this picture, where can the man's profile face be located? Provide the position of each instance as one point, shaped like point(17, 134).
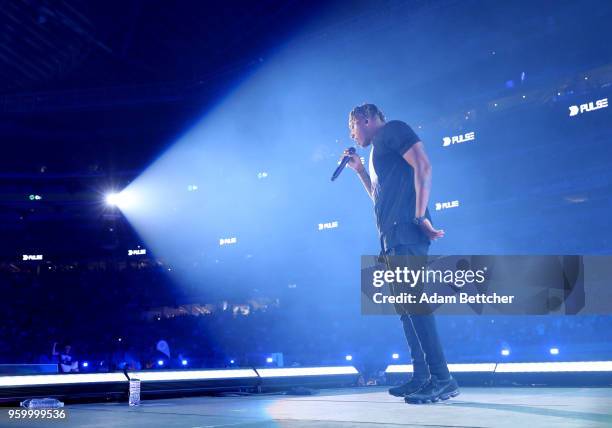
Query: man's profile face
point(359, 131)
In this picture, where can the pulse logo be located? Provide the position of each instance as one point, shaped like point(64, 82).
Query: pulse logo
point(32, 257)
point(139, 252)
point(583, 108)
point(458, 139)
point(227, 241)
point(330, 225)
point(446, 205)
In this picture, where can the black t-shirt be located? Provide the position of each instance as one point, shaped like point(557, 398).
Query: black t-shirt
point(393, 186)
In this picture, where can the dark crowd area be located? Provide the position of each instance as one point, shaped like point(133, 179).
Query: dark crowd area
point(96, 318)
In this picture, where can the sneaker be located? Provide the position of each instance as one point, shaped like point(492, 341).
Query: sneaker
point(409, 387)
point(435, 390)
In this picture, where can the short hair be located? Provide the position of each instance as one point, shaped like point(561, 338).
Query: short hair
point(365, 111)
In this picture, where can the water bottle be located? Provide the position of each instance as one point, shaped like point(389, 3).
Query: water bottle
point(134, 398)
point(42, 403)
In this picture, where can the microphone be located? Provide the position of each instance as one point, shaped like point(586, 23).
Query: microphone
point(343, 163)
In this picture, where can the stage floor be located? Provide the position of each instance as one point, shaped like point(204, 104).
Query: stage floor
point(356, 407)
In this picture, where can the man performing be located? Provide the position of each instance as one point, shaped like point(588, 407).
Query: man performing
point(399, 183)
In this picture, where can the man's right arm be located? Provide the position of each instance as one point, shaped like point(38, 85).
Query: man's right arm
point(365, 180)
point(356, 165)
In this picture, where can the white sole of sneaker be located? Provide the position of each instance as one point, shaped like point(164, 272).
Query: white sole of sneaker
point(434, 399)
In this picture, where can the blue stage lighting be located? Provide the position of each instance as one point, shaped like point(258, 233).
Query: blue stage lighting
point(554, 351)
point(120, 200)
point(395, 356)
point(269, 360)
point(184, 362)
point(112, 199)
point(232, 362)
point(85, 364)
point(349, 358)
point(160, 362)
point(505, 352)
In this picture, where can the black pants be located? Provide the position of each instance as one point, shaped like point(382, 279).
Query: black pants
point(420, 330)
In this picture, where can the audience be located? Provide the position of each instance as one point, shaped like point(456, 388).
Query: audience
point(134, 318)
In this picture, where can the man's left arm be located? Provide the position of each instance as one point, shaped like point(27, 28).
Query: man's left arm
point(418, 160)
